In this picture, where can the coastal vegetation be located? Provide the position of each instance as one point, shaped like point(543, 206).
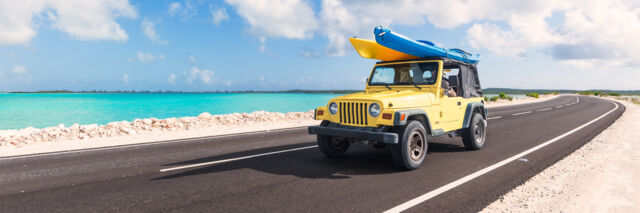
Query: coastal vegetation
point(533, 95)
point(501, 95)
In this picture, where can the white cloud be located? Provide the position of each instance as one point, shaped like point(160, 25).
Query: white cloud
point(148, 57)
point(292, 19)
point(174, 8)
point(82, 19)
point(218, 14)
point(125, 78)
point(186, 10)
point(577, 31)
point(172, 78)
point(16, 20)
point(148, 27)
point(192, 59)
point(19, 69)
point(205, 76)
point(88, 20)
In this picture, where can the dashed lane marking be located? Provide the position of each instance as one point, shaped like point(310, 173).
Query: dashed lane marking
point(522, 113)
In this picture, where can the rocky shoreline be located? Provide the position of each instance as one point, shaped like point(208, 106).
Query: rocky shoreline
point(19, 138)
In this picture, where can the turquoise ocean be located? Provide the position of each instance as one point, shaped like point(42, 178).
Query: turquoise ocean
point(50, 109)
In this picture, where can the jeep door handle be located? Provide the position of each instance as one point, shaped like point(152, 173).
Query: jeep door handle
point(459, 103)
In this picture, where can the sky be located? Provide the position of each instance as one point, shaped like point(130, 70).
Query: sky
point(209, 45)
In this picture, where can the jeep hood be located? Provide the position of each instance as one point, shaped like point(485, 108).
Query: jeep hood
point(399, 99)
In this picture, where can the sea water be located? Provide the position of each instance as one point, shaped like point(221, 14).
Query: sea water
point(50, 109)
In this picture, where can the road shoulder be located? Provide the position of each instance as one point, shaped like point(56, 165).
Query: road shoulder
point(601, 176)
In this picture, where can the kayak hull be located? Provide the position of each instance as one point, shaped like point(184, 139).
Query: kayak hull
point(401, 43)
point(371, 49)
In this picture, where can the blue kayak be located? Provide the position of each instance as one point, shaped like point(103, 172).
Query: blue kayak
point(401, 43)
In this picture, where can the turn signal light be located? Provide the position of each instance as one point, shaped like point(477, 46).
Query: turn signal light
point(386, 116)
point(402, 117)
point(320, 112)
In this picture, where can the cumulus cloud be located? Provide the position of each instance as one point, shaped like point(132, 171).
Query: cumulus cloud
point(19, 69)
point(148, 27)
point(148, 57)
point(218, 14)
point(293, 19)
point(192, 59)
point(195, 73)
point(82, 19)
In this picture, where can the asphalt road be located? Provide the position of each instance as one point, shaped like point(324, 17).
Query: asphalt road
point(283, 171)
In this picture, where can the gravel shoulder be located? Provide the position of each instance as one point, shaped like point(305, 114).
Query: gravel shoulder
point(601, 176)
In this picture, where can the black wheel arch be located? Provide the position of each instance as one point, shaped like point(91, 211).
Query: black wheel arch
point(413, 114)
point(471, 109)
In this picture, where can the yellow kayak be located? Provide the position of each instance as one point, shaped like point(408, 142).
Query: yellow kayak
point(371, 49)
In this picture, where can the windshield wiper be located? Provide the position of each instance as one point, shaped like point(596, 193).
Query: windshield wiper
point(387, 86)
point(415, 85)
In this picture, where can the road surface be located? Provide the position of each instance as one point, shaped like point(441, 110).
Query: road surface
point(283, 171)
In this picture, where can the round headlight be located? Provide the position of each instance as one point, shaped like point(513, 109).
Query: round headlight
point(333, 108)
point(374, 110)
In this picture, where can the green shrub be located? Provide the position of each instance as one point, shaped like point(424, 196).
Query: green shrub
point(556, 93)
point(494, 98)
point(614, 94)
point(597, 93)
point(510, 98)
point(502, 95)
point(533, 95)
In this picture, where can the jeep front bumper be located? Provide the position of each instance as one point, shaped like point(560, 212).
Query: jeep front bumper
point(384, 137)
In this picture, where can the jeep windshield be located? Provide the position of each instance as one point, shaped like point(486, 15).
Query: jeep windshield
point(405, 74)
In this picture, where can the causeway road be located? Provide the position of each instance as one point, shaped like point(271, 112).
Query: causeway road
point(283, 171)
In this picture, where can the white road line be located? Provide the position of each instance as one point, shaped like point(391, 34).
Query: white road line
point(474, 175)
point(494, 117)
point(567, 105)
point(559, 106)
point(545, 109)
point(522, 113)
point(147, 143)
point(235, 159)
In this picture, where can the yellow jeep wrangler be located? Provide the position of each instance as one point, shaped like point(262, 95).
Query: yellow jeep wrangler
point(405, 104)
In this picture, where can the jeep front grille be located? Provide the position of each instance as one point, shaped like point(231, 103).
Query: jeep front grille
point(353, 113)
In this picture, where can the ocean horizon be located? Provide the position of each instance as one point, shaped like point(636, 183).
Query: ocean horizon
point(22, 110)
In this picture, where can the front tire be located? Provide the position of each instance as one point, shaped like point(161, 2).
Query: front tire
point(332, 146)
point(474, 136)
point(411, 149)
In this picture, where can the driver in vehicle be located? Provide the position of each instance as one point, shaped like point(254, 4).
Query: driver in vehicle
point(447, 89)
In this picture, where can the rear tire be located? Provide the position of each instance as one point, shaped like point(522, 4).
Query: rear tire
point(332, 147)
point(474, 136)
point(411, 149)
